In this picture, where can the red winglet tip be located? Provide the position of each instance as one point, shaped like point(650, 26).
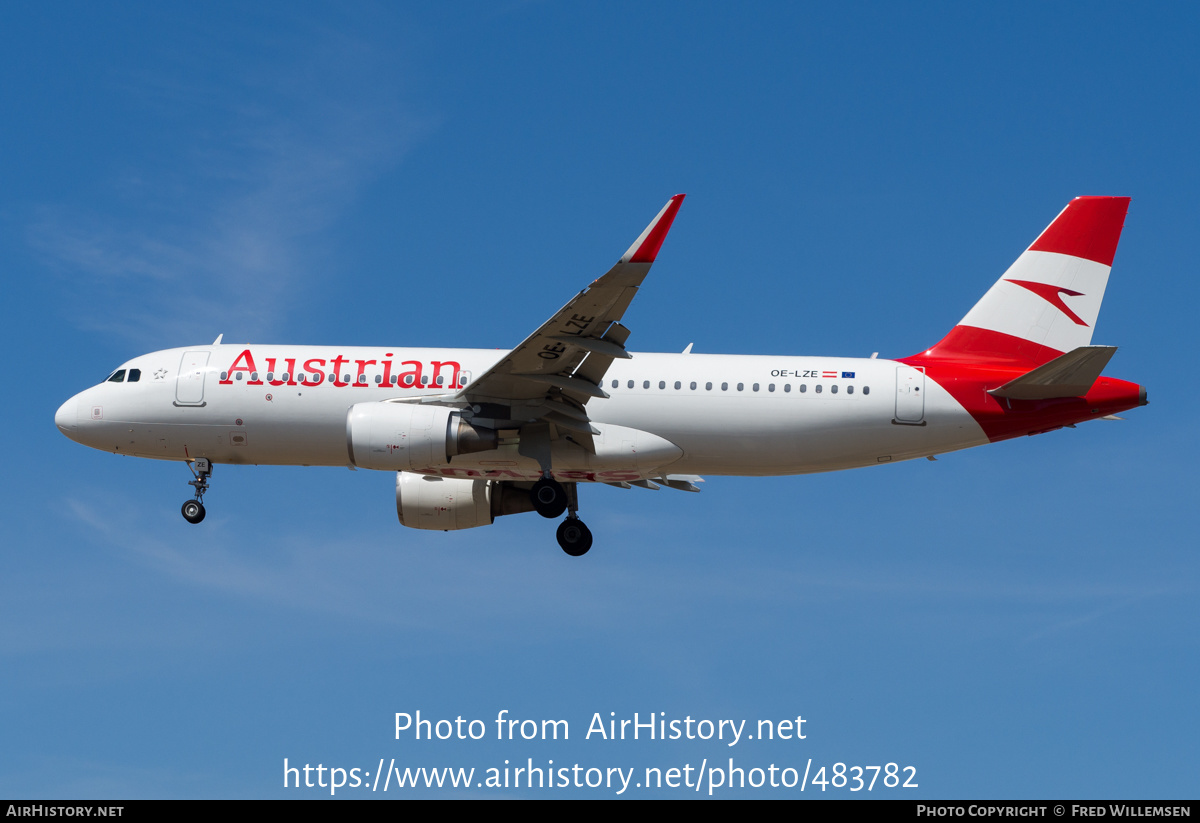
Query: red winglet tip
point(1089, 227)
point(648, 250)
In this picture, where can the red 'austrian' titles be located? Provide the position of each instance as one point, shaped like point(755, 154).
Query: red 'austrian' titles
point(412, 373)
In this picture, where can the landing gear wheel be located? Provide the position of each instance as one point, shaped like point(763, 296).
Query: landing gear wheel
point(549, 497)
point(193, 511)
point(574, 537)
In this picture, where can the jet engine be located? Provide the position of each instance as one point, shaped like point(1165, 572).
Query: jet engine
point(443, 503)
point(449, 503)
point(405, 436)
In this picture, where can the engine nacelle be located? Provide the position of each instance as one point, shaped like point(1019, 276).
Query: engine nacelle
point(400, 436)
point(444, 503)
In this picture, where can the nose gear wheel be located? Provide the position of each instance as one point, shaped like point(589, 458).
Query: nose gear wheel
point(193, 510)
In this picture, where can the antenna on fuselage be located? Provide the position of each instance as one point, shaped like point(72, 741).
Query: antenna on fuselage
point(217, 342)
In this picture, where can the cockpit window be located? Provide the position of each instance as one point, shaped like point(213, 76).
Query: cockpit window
point(117, 377)
point(134, 375)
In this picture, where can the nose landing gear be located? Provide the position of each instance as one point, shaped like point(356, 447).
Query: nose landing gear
point(193, 510)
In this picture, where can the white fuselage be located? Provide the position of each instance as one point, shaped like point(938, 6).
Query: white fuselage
point(728, 414)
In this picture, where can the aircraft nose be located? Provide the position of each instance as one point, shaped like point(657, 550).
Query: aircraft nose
point(67, 417)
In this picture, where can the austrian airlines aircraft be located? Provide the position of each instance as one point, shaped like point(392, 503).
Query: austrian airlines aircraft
point(473, 434)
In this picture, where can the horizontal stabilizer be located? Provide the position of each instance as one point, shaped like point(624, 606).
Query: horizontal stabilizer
point(1068, 375)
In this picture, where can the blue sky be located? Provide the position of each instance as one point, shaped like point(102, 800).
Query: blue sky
point(1014, 621)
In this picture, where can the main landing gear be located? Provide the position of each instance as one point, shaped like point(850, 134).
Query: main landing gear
point(193, 510)
point(574, 537)
point(550, 499)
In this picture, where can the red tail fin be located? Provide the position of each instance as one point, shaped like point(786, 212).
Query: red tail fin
point(1048, 301)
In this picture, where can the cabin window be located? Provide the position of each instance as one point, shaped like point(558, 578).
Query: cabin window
point(833, 388)
point(755, 387)
point(787, 387)
point(724, 387)
point(662, 384)
point(818, 388)
point(741, 386)
point(803, 388)
point(849, 390)
point(237, 376)
point(629, 385)
point(693, 385)
point(254, 377)
point(866, 389)
point(708, 386)
point(117, 377)
point(616, 383)
point(771, 387)
point(678, 385)
point(378, 379)
point(645, 384)
point(441, 380)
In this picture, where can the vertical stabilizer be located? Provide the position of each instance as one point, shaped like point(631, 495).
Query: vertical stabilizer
point(1048, 300)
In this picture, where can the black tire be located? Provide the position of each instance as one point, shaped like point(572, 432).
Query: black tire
point(549, 497)
point(574, 537)
point(193, 511)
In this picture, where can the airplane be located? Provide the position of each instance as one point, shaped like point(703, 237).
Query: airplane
point(477, 434)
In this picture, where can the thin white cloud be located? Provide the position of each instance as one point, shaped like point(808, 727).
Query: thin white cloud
point(223, 228)
point(403, 581)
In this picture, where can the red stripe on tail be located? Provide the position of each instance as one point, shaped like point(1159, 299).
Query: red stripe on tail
point(1089, 227)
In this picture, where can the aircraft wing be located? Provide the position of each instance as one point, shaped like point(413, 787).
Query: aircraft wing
point(555, 371)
